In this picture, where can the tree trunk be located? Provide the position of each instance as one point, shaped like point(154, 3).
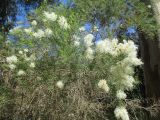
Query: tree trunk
point(150, 52)
point(151, 57)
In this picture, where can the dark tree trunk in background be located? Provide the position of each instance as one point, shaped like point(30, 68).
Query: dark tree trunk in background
point(150, 53)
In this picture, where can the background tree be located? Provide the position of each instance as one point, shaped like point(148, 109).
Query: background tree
point(7, 14)
point(152, 66)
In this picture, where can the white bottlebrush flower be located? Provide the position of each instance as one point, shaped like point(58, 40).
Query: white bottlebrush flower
point(12, 59)
point(114, 42)
point(25, 50)
point(81, 29)
point(27, 58)
point(100, 46)
point(132, 61)
point(39, 34)
point(127, 47)
point(34, 23)
point(135, 61)
point(20, 52)
point(60, 84)
point(12, 66)
point(48, 32)
point(121, 113)
point(28, 30)
point(128, 82)
point(76, 40)
point(15, 29)
point(114, 48)
point(32, 65)
point(121, 95)
point(149, 6)
point(88, 40)
point(130, 50)
point(76, 43)
point(21, 72)
point(89, 53)
point(103, 85)
point(128, 70)
point(50, 16)
point(104, 46)
point(32, 57)
point(63, 23)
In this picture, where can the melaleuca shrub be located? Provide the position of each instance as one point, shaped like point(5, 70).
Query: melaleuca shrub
point(64, 73)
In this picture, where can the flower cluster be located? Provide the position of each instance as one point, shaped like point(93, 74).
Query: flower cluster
point(87, 41)
point(121, 71)
point(121, 113)
point(103, 85)
point(21, 72)
point(76, 41)
point(63, 22)
point(107, 46)
point(53, 17)
point(13, 61)
point(50, 16)
point(28, 30)
point(39, 34)
point(60, 84)
point(12, 66)
point(42, 33)
point(34, 23)
point(124, 68)
point(121, 95)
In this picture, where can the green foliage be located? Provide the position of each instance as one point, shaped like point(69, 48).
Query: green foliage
point(131, 12)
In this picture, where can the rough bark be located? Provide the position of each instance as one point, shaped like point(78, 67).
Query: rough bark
point(151, 57)
point(150, 53)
